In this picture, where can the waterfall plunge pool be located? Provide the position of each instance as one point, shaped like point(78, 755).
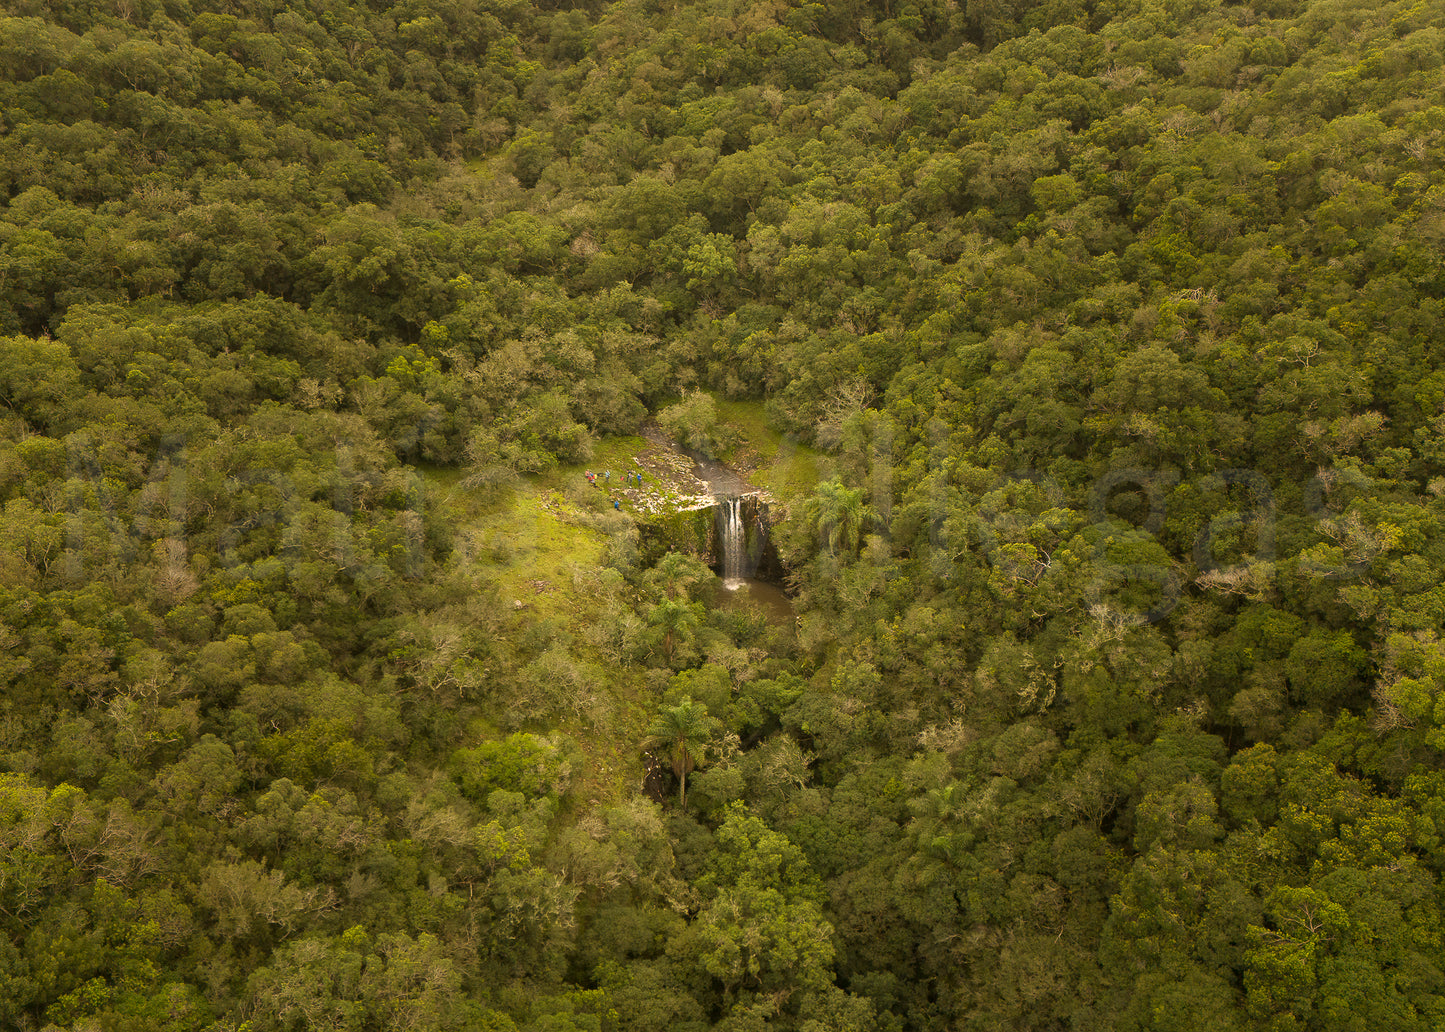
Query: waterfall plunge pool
point(742, 543)
point(742, 592)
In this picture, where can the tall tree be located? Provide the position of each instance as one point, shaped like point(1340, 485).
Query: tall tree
point(683, 732)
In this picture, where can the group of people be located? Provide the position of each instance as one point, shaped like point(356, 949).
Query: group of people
point(606, 478)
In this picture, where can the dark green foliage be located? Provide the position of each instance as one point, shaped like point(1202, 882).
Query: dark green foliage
point(1115, 694)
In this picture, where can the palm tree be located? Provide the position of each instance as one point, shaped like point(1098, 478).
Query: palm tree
point(677, 620)
point(676, 573)
point(840, 515)
point(684, 731)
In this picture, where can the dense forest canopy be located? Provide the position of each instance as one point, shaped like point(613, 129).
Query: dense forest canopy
point(1117, 693)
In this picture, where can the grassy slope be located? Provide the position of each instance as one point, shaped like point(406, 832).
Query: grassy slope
point(542, 549)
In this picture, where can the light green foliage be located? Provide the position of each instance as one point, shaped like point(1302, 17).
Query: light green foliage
point(524, 763)
point(840, 516)
point(38, 378)
point(694, 423)
point(353, 982)
point(674, 624)
point(760, 929)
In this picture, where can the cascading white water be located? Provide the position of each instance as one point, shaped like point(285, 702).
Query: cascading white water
point(731, 542)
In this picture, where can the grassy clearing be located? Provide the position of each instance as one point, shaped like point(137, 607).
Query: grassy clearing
point(535, 552)
point(541, 545)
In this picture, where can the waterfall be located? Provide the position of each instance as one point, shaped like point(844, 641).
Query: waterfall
point(731, 543)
